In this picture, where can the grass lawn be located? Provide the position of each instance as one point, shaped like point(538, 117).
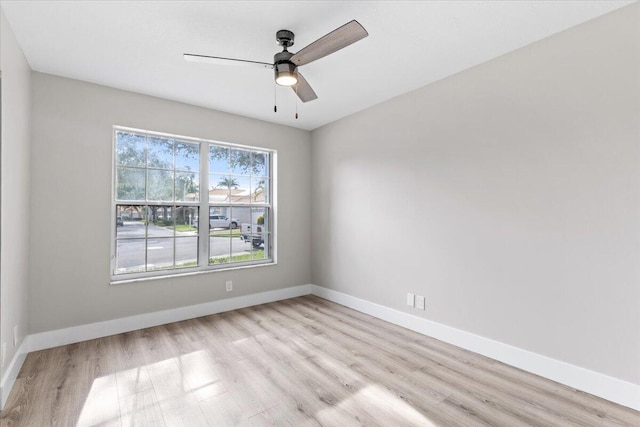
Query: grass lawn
point(181, 228)
point(259, 254)
point(235, 232)
point(187, 264)
point(184, 227)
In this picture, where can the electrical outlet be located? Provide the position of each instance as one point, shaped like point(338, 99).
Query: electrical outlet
point(15, 335)
point(4, 352)
point(411, 300)
point(229, 285)
point(420, 302)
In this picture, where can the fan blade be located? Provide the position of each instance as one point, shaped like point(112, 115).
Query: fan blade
point(303, 89)
point(339, 38)
point(224, 61)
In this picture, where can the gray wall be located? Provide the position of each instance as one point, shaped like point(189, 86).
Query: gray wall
point(71, 203)
point(14, 213)
point(508, 195)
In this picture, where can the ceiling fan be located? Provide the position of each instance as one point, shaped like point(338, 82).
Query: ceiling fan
point(285, 64)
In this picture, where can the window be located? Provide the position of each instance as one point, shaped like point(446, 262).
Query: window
point(182, 204)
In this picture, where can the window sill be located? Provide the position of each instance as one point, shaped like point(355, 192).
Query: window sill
point(124, 281)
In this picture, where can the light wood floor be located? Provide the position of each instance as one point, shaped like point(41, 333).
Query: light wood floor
point(300, 362)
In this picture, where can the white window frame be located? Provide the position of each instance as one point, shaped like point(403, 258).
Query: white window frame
point(203, 211)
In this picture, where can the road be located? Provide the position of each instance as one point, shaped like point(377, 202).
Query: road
point(160, 247)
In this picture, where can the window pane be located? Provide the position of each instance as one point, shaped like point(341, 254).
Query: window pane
point(159, 254)
point(253, 234)
point(241, 215)
point(221, 217)
point(130, 184)
point(261, 251)
point(259, 163)
point(161, 221)
point(186, 221)
point(187, 156)
point(129, 256)
point(159, 153)
point(259, 232)
point(187, 187)
point(219, 220)
point(129, 221)
point(240, 162)
point(219, 246)
point(260, 216)
point(240, 192)
point(219, 186)
point(130, 149)
point(186, 252)
point(160, 185)
point(259, 190)
point(218, 159)
point(240, 250)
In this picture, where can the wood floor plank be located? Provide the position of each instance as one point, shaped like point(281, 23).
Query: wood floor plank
point(328, 357)
point(250, 387)
point(132, 381)
point(223, 411)
point(167, 379)
point(286, 414)
point(141, 409)
point(18, 406)
point(101, 406)
point(315, 395)
point(473, 371)
point(202, 375)
point(299, 362)
point(182, 411)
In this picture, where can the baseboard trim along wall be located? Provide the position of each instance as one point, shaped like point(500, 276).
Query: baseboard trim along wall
point(74, 334)
point(613, 389)
point(49, 339)
point(11, 374)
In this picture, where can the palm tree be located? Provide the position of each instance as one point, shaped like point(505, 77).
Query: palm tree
point(228, 182)
point(259, 189)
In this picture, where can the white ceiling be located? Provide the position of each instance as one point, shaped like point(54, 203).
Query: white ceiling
point(138, 46)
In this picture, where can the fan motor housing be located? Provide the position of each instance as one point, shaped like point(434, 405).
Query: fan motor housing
point(282, 57)
point(282, 67)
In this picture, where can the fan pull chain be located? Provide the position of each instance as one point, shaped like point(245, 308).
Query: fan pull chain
point(296, 102)
point(275, 102)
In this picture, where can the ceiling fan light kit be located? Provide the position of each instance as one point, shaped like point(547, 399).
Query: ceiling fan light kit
point(284, 69)
point(285, 75)
point(285, 64)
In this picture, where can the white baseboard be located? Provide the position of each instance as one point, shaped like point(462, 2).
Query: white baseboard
point(75, 334)
point(80, 333)
point(613, 389)
point(10, 375)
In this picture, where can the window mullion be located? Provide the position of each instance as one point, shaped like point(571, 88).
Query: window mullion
point(203, 211)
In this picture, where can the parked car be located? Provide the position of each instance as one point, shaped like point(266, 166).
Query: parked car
point(219, 221)
point(119, 221)
point(253, 233)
